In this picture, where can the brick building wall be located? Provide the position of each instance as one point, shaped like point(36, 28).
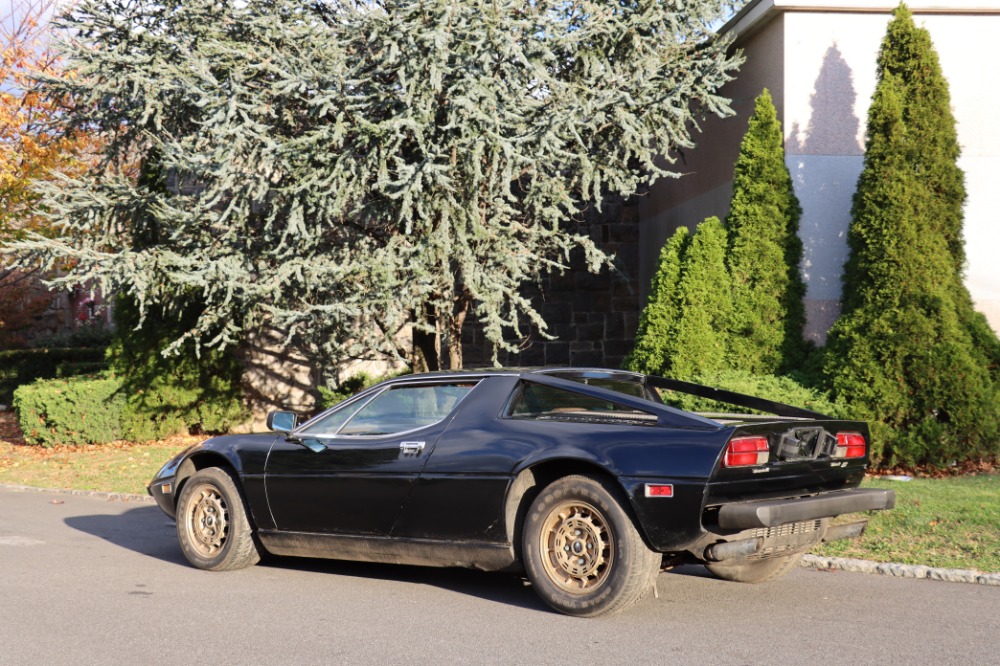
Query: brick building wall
point(593, 317)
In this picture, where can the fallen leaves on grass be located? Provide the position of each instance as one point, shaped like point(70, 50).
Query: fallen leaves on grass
point(966, 468)
point(14, 451)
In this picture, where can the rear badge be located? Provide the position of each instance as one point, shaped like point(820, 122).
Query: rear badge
point(761, 470)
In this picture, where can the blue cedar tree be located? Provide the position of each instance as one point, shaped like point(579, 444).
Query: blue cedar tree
point(338, 170)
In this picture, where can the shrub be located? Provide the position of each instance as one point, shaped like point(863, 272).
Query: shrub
point(704, 305)
point(81, 410)
point(730, 296)
point(97, 409)
point(654, 341)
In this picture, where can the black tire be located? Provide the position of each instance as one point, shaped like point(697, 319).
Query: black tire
point(212, 524)
point(756, 571)
point(582, 551)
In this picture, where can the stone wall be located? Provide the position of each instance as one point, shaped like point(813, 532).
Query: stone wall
point(593, 317)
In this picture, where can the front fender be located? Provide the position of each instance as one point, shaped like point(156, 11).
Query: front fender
point(244, 455)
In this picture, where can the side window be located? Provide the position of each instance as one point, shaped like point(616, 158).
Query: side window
point(403, 408)
point(328, 425)
point(545, 403)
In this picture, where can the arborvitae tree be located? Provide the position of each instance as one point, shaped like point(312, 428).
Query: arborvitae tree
point(904, 352)
point(765, 251)
point(683, 328)
point(338, 170)
point(701, 342)
point(655, 340)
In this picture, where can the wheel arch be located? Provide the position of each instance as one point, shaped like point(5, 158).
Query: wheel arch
point(197, 462)
point(532, 479)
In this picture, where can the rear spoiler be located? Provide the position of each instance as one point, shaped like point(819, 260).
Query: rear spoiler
point(738, 399)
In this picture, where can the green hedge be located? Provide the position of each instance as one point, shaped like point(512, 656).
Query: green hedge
point(23, 366)
point(98, 409)
point(81, 410)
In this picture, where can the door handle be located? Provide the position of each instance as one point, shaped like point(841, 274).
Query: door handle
point(411, 448)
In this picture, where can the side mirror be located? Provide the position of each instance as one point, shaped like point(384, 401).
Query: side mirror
point(282, 421)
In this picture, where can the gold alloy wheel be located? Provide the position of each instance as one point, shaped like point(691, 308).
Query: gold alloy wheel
point(577, 547)
point(208, 521)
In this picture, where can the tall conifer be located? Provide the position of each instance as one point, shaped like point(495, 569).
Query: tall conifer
point(765, 251)
point(701, 343)
point(655, 341)
point(683, 329)
point(904, 352)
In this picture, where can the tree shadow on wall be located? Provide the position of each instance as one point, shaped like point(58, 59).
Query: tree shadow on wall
point(826, 192)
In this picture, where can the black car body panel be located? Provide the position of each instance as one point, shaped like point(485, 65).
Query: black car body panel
point(453, 492)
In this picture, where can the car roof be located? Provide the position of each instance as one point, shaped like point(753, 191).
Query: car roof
point(581, 373)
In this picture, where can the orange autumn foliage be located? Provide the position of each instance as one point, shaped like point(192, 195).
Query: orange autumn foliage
point(31, 145)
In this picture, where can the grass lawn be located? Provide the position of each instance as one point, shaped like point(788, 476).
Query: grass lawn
point(950, 522)
point(120, 467)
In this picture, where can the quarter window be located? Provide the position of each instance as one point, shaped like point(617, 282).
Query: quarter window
point(545, 403)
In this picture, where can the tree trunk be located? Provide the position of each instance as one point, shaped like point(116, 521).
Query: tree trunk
point(426, 347)
point(462, 304)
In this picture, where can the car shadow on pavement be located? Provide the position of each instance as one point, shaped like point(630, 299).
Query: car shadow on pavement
point(144, 530)
point(500, 587)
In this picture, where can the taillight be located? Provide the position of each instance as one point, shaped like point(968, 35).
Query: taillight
point(746, 451)
point(850, 445)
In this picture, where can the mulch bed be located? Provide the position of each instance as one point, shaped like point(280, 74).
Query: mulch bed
point(10, 430)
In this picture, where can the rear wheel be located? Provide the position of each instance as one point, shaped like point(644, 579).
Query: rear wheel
point(756, 571)
point(582, 551)
point(212, 524)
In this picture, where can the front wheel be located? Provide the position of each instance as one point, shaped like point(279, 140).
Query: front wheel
point(212, 524)
point(582, 551)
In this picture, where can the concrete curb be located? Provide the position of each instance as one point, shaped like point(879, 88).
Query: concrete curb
point(808, 561)
point(111, 497)
point(900, 570)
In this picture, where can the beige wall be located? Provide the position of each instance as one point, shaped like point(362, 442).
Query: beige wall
point(820, 66)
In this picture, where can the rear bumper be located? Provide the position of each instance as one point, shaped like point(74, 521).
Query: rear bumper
point(770, 513)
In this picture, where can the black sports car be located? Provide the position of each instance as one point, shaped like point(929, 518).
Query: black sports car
point(585, 479)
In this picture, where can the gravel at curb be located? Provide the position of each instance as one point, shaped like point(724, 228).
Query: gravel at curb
point(808, 561)
point(900, 570)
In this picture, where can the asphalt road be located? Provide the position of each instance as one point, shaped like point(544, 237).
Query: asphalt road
point(84, 580)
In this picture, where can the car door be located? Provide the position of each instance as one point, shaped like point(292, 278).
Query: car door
point(349, 472)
